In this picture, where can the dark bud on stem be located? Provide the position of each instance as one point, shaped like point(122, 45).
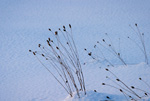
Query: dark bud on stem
point(56, 33)
point(90, 53)
point(145, 93)
point(39, 45)
point(30, 51)
point(107, 69)
point(43, 55)
point(135, 24)
point(49, 29)
point(140, 78)
point(70, 25)
point(132, 87)
point(121, 90)
point(34, 53)
point(107, 97)
point(57, 47)
point(117, 79)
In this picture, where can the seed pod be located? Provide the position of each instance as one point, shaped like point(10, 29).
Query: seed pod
point(49, 39)
point(95, 91)
point(34, 53)
point(39, 45)
point(90, 53)
point(107, 69)
point(43, 55)
point(49, 29)
point(57, 47)
point(56, 33)
point(117, 79)
point(132, 87)
point(121, 90)
point(70, 25)
point(107, 97)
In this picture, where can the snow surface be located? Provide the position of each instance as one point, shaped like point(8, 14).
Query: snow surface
point(24, 24)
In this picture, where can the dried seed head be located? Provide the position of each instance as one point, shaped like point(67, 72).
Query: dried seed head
point(121, 90)
point(49, 39)
point(39, 45)
point(90, 53)
point(49, 29)
point(145, 93)
point(132, 87)
point(56, 33)
point(107, 69)
point(30, 51)
point(49, 44)
point(64, 27)
point(57, 47)
point(135, 24)
point(117, 79)
point(43, 55)
point(107, 97)
point(103, 83)
point(34, 53)
point(70, 25)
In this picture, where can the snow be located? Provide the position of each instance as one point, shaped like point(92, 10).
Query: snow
point(24, 24)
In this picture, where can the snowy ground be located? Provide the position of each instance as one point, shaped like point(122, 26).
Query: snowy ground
point(24, 24)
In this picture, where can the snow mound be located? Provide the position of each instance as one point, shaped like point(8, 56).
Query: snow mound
point(95, 96)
